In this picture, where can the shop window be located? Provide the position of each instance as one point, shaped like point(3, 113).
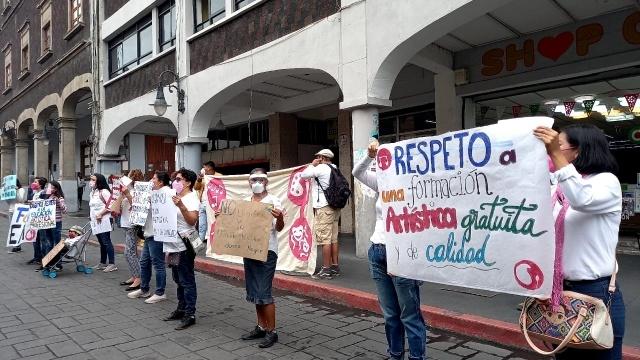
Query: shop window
point(240, 135)
point(167, 25)
point(8, 74)
point(131, 48)
point(75, 13)
point(24, 51)
point(208, 12)
point(45, 29)
point(239, 4)
point(313, 132)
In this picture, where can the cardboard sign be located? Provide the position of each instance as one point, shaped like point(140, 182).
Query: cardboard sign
point(19, 220)
point(102, 226)
point(9, 188)
point(55, 251)
point(141, 203)
point(42, 214)
point(243, 229)
point(471, 208)
point(165, 215)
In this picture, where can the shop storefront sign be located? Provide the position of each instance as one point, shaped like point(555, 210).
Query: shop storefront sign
point(604, 36)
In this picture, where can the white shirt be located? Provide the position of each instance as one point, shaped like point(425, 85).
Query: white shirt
point(273, 236)
point(96, 203)
point(323, 173)
point(592, 223)
point(362, 172)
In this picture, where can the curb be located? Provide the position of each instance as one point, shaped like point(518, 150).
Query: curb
point(479, 327)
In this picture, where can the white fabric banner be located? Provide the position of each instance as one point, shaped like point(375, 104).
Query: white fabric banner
point(296, 248)
point(164, 214)
point(471, 208)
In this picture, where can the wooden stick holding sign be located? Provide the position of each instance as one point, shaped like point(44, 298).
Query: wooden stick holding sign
point(242, 229)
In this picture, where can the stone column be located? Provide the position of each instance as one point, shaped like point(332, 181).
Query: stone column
point(7, 157)
point(346, 161)
point(67, 160)
point(364, 126)
point(283, 141)
point(40, 154)
point(448, 104)
point(189, 156)
point(22, 158)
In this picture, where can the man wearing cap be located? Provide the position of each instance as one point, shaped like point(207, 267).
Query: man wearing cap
point(325, 221)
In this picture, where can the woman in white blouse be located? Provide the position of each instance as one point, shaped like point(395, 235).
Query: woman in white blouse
point(584, 174)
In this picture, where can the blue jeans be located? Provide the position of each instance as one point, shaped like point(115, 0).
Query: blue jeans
point(400, 303)
point(152, 254)
point(106, 248)
point(202, 222)
point(45, 239)
point(600, 289)
point(184, 276)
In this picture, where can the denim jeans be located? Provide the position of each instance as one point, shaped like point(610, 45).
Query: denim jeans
point(37, 248)
point(400, 303)
point(202, 222)
point(152, 254)
point(600, 289)
point(106, 248)
point(184, 276)
point(45, 239)
point(57, 233)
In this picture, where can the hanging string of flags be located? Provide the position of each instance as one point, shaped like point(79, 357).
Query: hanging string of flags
point(569, 105)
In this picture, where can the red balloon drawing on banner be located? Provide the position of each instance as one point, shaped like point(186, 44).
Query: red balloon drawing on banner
point(536, 276)
point(300, 236)
point(216, 193)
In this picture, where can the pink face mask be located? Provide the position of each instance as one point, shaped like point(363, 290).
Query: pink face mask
point(551, 165)
point(34, 187)
point(177, 186)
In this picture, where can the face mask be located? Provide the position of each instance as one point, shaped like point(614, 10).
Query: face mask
point(551, 165)
point(177, 186)
point(257, 188)
point(92, 184)
point(34, 187)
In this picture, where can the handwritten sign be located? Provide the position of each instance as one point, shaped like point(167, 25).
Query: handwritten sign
point(141, 203)
point(242, 229)
point(9, 187)
point(52, 254)
point(470, 208)
point(102, 226)
point(165, 215)
point(43, 214)
point(19, 220)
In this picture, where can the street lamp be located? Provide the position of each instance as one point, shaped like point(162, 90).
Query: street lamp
point(51, 126)
point(9, 129)
point(160, 105)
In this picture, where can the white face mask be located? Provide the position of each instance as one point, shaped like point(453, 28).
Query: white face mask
point(92, 184)
point(257, 188)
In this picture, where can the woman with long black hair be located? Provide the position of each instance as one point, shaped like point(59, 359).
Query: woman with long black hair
point(99, 205)
point(589, 202)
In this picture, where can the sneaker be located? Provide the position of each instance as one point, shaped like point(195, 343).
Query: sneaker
point(15, 250)
point(270, 338)
point(186, 322)
point(335, 270)
point(100, 266)
point(324, 273)
point(32, 262)
point(110, 268)
point(175, 315)
point(256, 333)
point(39, 268)
point(138, 294)
point(156, 298)
point(58, 267)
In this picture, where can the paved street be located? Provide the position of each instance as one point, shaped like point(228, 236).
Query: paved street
point(80, 316)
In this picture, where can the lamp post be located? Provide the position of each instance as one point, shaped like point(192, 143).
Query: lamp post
point(160, 104)
point(51, 126)
point(9, 129)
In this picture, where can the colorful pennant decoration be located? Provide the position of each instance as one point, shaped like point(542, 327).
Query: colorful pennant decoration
point(516, 110)
point(631, 101)
point(551, 109)
point(568, 107)
point(588, 106)
point(609, 108)
point(533, 109)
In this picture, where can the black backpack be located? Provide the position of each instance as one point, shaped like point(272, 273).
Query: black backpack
point(338, 192)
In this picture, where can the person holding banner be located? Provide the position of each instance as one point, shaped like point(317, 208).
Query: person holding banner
point(589, 205)
point(208, 168)
point(399, 297)
point(54, 192)
point(259, 275)
point(152, 253)
point(99, 202)
point(21, 198)
point(130, 237)
point(39, 246)
point(181, 254)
